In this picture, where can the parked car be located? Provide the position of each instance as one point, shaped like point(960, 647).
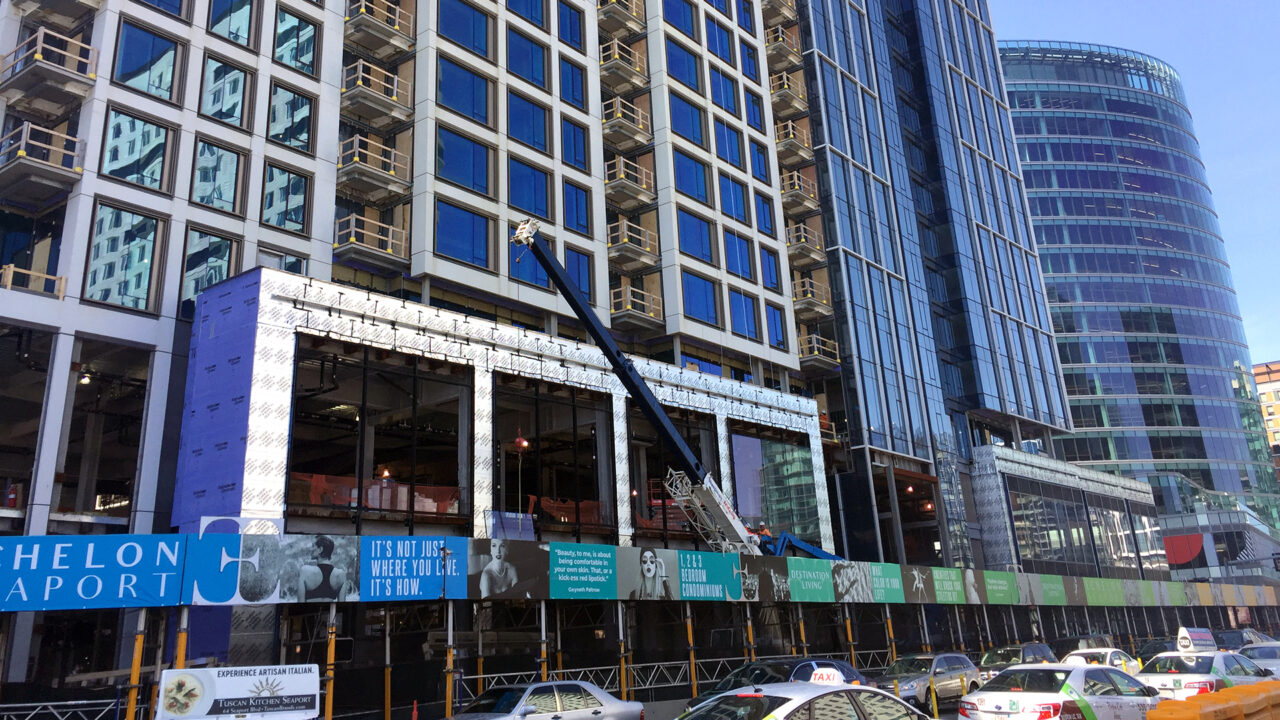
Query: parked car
point(542, 701)
point(1153, 648)
point(1179, 675)
point(997, 659)
point(1112, 657)
point(783, 700)
point(1265, 654)
point(1059, 690)
point(1237, 638)
point(953, 675)
point(762, 672)
point(1065, 645)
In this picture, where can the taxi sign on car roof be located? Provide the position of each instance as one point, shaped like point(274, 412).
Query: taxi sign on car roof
point(827, 676)
point(1195, 640)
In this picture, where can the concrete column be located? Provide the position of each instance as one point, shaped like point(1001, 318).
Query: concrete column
point(624, 501)
point(59, 399)
point(482, 470)
point(90, 454)
point(724, 473)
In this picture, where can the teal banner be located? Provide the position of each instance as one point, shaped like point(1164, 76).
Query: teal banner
point(948, 586)
point(810, 580)
point(709, 576)
point(583, 571)
point(886, 583)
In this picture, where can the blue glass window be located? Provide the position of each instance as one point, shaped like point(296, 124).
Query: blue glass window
point(574, 144)
point(173, 7)
point(721, 5)
point(737, 255)
point(695, 235)
point(686, 120)
point(526, 121)
point(759, 161)
point(217, 177)
point(680, 14)
point(223, 93)
point(682, 65)
point(724, 91)
point(747, 16)
point(465, 25)
point(750, 62)
point(769, 275)
point(461, 160)
point(572, 84)
point(755, 110)
point(523, 266)
point(728, 144)
point(289, 118)
point(462, 234)
point(719, 40)
point(462, 90)
point(578, 266)
point(733, 200)
point(145, 61)
point(776, 321)
point(136, 151)
point(232, 19)
point(570, 25)
point(295, 42)
point(526, 58)
point(744, 317)
point(284, 199)
point(700, 299)
point(577, 209)
point(764, 215)
point(527, 188)
point(532, 10)
point(702, 364)
point(120, 235)
point(691, 176)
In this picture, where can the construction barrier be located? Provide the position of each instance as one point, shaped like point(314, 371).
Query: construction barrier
point(1260, 701)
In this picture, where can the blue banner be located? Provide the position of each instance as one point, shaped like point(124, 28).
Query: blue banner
point(413, 568)
point(70, 572)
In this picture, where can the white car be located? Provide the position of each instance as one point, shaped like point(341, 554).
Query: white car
point(1118, 659)
point(1266, 654)
point(1178, 676)
point(802, 701)
point(1050, 691)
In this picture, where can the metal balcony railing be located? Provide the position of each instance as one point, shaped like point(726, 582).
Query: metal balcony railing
point(810, 289)
point(625, 232)
point(361, 74)
point(49, 47)
point(629, 298)
point(804, 235)
point(816, 346)
point(623, 169)
point(354, 229)
point(615, 50)
point(795, 182)
point(35, 143)
point(789, 130)
point(785, 82)
point(372, 154)
point(394, 16)
point(618, 109)
point(778, 36)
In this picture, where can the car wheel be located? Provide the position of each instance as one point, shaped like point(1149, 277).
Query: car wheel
point(973, 687)
point(931, 703)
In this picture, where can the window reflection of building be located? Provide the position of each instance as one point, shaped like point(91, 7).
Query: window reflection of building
point(120, 258)
point(210, 260)
point(655, 512)
point(376, 433)
point(773, 481)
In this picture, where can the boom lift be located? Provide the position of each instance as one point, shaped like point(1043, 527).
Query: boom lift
point(690, 486)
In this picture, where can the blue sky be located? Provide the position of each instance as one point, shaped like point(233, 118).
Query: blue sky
point(1226, 55)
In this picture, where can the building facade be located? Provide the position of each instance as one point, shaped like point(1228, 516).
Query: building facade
point(1149, 332)
point(1267, 378)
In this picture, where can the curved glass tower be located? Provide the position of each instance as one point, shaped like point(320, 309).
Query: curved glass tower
point(1149, 333)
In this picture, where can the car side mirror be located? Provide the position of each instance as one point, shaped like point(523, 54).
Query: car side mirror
point(939, 671)
point(528, 709)
point(1268, 672)
point(1150, 691)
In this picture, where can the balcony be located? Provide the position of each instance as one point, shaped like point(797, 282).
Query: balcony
point(620, 18)
point(47, 74)
point(811, 300)
point(779, 12)
point(631, 308)
point(38, 167)
point(628, 185)
point(786, 90)
point(818, 353)
point(632, 247)
point(63, 14)
point(799, 194)
point(377, 96)
point(382, 29)
point(782, 50)
point(622, 69)
point(626, 127)
point(371, 171)
point(804, 246)
point(371, 242)
point(12, 276)
point(793, 142)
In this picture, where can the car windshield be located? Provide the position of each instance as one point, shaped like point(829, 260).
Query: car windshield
point(1029, 680)
point(756, 674)
point(1093, 658)
point(1172, 664)
point(496, 700)
point(1002, 656)
point(1228, 638)
point(744, 706)
point(1263, 652)
point(910, 666)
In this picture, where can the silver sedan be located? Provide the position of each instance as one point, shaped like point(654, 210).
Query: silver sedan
point(550, 701)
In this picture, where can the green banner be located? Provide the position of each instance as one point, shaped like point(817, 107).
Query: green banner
point(1104, 592)
point(1055, 593)
point(810, 580)
point(1002, 587)
point(710, 576)
point(886, 583)
point(1147, 591)
point(948, 586)
point(583, 571)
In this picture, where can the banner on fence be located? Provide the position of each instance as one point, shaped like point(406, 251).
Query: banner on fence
point(272, 692)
